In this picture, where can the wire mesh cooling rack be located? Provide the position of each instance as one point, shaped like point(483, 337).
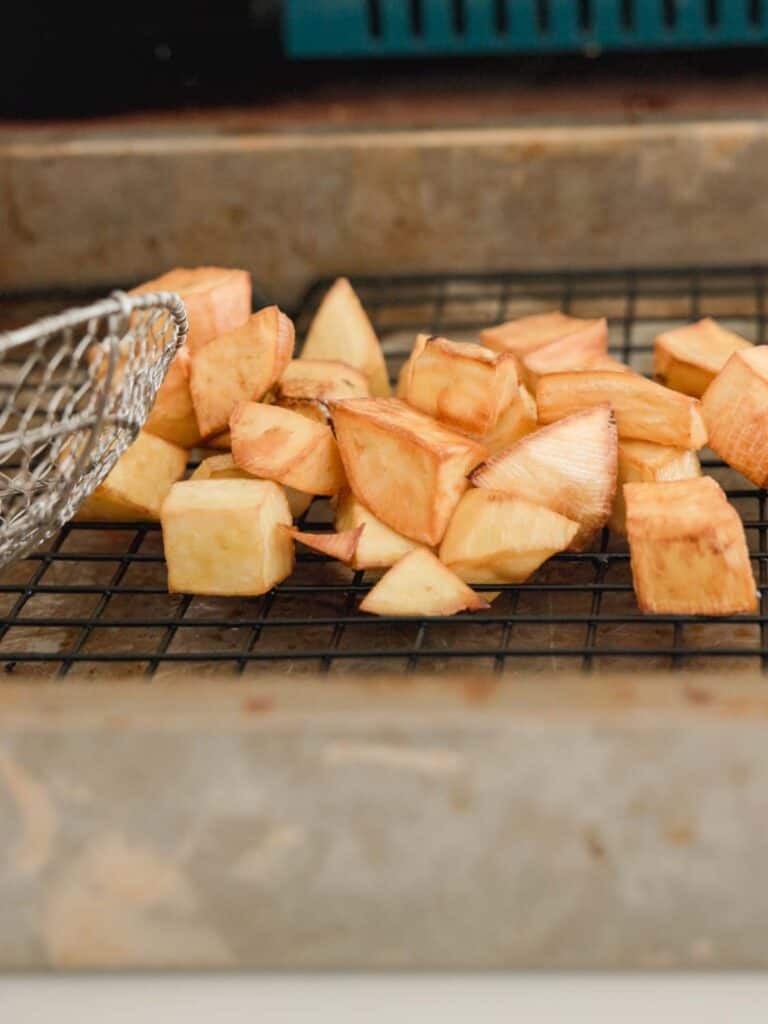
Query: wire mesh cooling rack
point(93, 601)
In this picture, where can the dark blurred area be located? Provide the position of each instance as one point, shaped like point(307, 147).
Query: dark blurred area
point(60, 60)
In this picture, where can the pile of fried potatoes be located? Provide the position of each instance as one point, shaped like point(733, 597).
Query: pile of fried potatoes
point(493, 457)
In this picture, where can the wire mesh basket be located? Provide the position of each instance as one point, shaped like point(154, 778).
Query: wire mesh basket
point(76, 388)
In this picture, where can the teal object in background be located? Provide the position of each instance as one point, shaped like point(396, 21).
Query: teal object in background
point(420, 28)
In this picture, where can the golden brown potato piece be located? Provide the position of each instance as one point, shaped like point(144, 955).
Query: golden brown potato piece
point(735, 409)
point(420, 585)
point(138, 483)
point(607, 362)
point(222, 467)
point(652, 463)
point(465, 386)
point(173, 415)
point(277, 444)
point(217, 299)
point(342, 331)
point(644, 411)
point(527, 333)
point(341, 546)
point(689, 552)
point(515, 422)
point(378, 546)
point(408, 469)
point(689, 358)
point(499, 538)
point(576, 350)
point(228, 539)
point(239, 366)
point(569, 466)
point(322, 379)
point(220, 443)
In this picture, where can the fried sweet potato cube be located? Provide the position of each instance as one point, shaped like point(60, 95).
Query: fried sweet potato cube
point(735, 409)
point(228, 539)
point(420, 585)
point(173, 415)
point(569, 466)
point(644, 411)
point(465, 386)
point(342, 331)
point(241, 365)
point(217, 299)
point(222, 467)
point(138, 482)
point(278, 444)
point(499, 538)
point(689, 358)
point(689, 553)
point(407, 468)
point(651, 463)
point(378, 546)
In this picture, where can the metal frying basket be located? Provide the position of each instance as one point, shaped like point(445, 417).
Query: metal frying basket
point(76, 388)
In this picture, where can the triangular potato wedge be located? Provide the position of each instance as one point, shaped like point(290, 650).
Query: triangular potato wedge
point(575, 350)
point(689, 358)
point(277, 444)
point(735, 409)
point(689, 552)
point(464, 385)
point(341, 546)
point(408, 469)
point(138, 483)
point(222, 467)
point(499, 538)
point(322, 379)
point(342, 331)
point(173, 415)
point(216, 299)
point(644, 411)
point(652, 463)
point(569, 466)
point(378, 546)
point(241, 365)
point(420, 585)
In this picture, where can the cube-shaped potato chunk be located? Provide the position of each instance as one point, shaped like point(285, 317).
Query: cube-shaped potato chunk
point(465, 386)
point(216, 299)
point(735, 409)
point(173, 415)
point(378, 546)
point(420, 585)
point(576, 350)
point(278, 444)
point(228, 539)
point(527, 333)
point(342, 331)
point(499, 538)
point(689, 552)
point(239, 366)
point(407, 468)
point(222, 467)
point(644, 411)
point(689, 358)
point(323, 380)
point(652, 463)
point(569, 466)
point(137, 484)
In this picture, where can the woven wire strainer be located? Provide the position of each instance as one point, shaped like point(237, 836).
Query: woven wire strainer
point(75, 389)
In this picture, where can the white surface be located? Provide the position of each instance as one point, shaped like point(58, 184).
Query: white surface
point(416, 999)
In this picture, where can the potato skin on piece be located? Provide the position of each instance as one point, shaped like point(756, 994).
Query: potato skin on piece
point(226, 540)
point(216, 299)
point(408, 469)
point(341, 330)
point(137, 484)
point(241, 365)
point(689, 358)
point(735, 408)
point(688, 549)
point(420, 585)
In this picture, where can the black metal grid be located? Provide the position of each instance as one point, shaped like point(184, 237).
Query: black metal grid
point(94, 602)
